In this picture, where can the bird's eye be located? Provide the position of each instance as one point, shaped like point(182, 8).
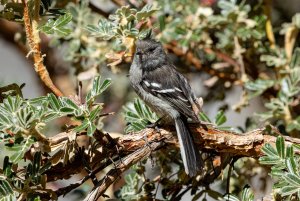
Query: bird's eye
point(151, 49)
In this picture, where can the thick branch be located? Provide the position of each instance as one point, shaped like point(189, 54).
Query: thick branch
point(136, 146)
point(248, 144)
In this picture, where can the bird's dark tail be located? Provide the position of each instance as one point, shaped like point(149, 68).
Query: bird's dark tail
point(191, 158)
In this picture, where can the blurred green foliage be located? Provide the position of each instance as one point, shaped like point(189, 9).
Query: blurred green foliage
point(230, 42)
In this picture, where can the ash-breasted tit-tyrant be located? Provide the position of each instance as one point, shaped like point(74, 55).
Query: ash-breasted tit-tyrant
point(166, 91)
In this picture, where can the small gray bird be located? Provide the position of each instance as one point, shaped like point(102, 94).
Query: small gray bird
point(166, 91)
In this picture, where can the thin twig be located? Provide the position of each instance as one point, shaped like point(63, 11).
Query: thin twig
point(290, 40)
point(238, 52)
point(119, 3)
point(228, 177)
point(32, 34)
point(98, 10)
point(269, 28)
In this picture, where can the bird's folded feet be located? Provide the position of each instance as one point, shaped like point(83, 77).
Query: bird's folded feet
point(156, 125)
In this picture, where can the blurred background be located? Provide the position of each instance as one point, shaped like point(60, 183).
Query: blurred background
point(204, 49)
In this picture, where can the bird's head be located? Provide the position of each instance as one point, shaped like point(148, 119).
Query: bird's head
point(150, 54)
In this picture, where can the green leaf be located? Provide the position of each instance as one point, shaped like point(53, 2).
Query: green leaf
point(69, 103)
point(292, 179)
point(6, 190)
point(294, 125)
point(54, 102)
point(276, 61)
point(138, 115)
point(67, 110)
point(97, 89)
point(138, 126)
point(138, 107)
point(258, 86)
point(291, 165)
point(146, 12)
point(69, 107)
point(94, 113)
point(104, 30)
point(91, 128)
point(83, 126)
point(288, 190)
point(226, 5)
point(162, 24)
point(38, 100)
point(7, 169)
point(50, 116)
point(230, 197)
point(265, 160)
point(289, 151)
point(269, 151)
point(12, 103)
point(20, 149)
point(295, 61)
point(247, 194)
point(297, 146)
point(58, 26)
point(220, 118)
point(280, 147)
point(277, 172)
point(204, 117)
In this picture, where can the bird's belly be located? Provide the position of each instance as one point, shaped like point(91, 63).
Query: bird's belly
point(161, 107)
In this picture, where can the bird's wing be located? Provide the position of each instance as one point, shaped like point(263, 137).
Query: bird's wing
point(166, 83)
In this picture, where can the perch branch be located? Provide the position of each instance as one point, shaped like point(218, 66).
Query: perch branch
point(247, 144)
point(137, 146)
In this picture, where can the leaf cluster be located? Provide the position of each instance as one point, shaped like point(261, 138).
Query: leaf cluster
point(22, 123)
point(284, 168)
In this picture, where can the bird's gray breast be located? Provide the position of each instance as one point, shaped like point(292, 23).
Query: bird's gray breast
point(157, 104)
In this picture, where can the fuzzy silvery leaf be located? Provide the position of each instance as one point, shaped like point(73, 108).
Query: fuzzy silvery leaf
point(6, 190)
point(275, 61)
point(58, 26)
point(138, 116)
point(97, 88)
point(104, 29)
point(146, 12)
point(20, 149)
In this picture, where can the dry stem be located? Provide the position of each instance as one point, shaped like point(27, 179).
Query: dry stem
point(32, 35)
